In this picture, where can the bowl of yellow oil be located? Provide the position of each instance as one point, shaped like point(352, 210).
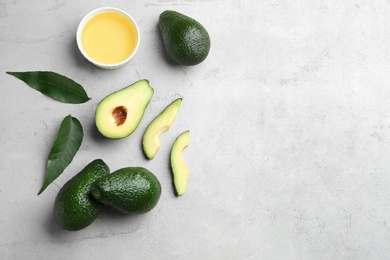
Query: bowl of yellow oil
point(108, 37)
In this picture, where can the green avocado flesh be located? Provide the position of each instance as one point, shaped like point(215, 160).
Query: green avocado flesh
point(159, 125)
point(119, 114)
point(131, 190)
point(187, 42)
point(74, 207)
point(179, 169)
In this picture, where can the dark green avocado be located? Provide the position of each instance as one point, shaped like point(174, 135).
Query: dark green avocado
point(74, 207)
point(185, 39)
point(131, 190)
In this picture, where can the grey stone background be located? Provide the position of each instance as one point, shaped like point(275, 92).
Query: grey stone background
point(289, 121)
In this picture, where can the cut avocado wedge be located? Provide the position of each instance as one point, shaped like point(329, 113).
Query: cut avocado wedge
point(119, 114)
point(159, 125)
point(179, 169)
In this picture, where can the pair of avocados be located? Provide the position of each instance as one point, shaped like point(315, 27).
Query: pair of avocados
point(131, 190)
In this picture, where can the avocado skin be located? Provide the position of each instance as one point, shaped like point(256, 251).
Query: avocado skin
point(131, 190)
point(186, 40)
point(74, 207)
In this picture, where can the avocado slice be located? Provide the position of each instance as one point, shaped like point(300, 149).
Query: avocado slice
point(179, 169)
point(159, 125)
point(119, 114)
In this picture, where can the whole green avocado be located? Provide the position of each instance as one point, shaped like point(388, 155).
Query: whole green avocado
point(131, 190)
point(186, 40)
point(74, 207)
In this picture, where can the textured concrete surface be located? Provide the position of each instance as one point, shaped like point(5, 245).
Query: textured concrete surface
point(290, 132)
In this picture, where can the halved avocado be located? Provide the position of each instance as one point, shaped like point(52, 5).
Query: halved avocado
point(179, 169)
point(159, 125)
point(119, 114)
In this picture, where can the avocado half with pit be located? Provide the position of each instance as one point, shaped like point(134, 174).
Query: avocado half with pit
point(159, 125)
point(119, 114)
point(179, 168)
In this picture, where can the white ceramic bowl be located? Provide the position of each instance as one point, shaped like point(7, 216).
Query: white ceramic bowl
point(92, 14)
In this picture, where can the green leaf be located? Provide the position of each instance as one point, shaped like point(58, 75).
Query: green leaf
point(64, 149)
point(54, 85)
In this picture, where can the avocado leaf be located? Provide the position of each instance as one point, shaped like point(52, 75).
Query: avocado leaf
point(54, 85)
point(65, 147)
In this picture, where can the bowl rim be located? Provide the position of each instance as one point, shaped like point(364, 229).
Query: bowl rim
point(84, 21)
